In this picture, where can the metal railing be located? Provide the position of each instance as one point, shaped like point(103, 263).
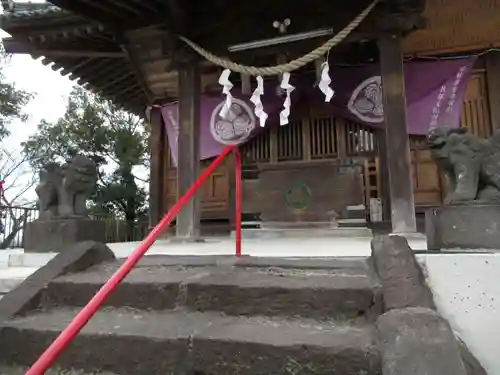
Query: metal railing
point(13, 220)
point(61, 342)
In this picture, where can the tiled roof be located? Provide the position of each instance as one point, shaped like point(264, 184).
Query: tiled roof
point(25, 9)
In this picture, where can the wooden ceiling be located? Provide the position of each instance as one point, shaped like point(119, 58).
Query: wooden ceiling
point(126, 49)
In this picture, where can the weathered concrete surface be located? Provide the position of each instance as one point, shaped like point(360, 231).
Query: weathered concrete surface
point(8, 370)
point(60, 234)
point(27, 295)
point(245, 287)
point(416, 341)
point(403, 284)
point(466, 226)
point(180, 342)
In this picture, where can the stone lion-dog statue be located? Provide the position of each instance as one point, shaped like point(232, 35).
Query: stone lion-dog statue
point(471, 164)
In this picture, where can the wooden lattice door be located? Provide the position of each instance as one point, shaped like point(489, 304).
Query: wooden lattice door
point(428, 182)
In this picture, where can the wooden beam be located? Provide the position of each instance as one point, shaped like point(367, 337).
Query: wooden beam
point(178, 17)
point(17, 47)
point(56, 33)
point(157, 141)
point(75, 68)
point(138, 70)
point(89, 12)
point(98, 70)
point(118, 80)
point(396, 135)
point(188, 149)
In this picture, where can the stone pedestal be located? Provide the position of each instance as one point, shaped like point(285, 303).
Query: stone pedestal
point(57, 235)
point(466, 226)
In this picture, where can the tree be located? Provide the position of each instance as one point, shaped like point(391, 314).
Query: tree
point(115, 140)
point(12, 100)
point(15, 207)
point(13, 167)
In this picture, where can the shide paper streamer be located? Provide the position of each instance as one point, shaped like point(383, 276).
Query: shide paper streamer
point(324, 83)
point(257, 101)
point(226, 90)
point(288, 88)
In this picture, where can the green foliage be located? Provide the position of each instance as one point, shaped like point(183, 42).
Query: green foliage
point(115, 140)
point(12, 100)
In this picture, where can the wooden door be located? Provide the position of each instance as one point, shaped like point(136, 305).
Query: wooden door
point(426, 175)
point(428, 181)
point(475, 114)
point(214, 194)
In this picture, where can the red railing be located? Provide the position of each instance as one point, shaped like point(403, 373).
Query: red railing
point(61, 342)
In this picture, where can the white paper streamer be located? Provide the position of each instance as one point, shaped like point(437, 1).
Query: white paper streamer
point(324, 83)
point(285, 85)
point(256, 100)
point(226, 90)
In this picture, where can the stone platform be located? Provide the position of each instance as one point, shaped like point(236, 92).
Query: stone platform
point(464, 226)
point(42, 236)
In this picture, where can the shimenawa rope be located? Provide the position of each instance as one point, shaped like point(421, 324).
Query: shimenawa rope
point(289, 66)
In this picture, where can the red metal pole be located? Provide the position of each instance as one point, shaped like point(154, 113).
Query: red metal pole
point(62, 341)
point(239, 192)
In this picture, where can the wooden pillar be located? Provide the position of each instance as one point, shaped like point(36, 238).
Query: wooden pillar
point(188, 150)
point(396, 135)
point(493, 82)
point(157, 140)
point(385, 193)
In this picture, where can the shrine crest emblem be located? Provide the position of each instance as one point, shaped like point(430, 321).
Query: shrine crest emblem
point(366, 100)
point(236, 127)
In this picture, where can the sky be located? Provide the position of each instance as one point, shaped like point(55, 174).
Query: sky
point(51, 91)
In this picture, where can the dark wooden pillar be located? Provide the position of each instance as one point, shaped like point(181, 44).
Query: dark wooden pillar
point(385, 192)
point(188, 151)
point(396, 135)
point(157, 140)
point(493, 81)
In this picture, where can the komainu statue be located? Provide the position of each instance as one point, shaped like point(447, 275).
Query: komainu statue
point(63, 190)
point(470, 163)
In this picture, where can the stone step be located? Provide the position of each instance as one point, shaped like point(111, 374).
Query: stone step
point(318, 288)
point(17, 370)
point(279, 233)
point(13, 276)
point(355, 212)
point(352, 223)
point(129, 342)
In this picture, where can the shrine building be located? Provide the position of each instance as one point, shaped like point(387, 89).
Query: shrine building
point(365, 149)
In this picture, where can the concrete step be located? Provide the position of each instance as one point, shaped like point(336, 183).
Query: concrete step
point(129, 342)
point(313, 288)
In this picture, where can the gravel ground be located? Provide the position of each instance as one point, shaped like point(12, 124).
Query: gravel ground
point(22, 371)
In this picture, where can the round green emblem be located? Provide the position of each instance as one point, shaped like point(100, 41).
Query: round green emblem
point(298, 196)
